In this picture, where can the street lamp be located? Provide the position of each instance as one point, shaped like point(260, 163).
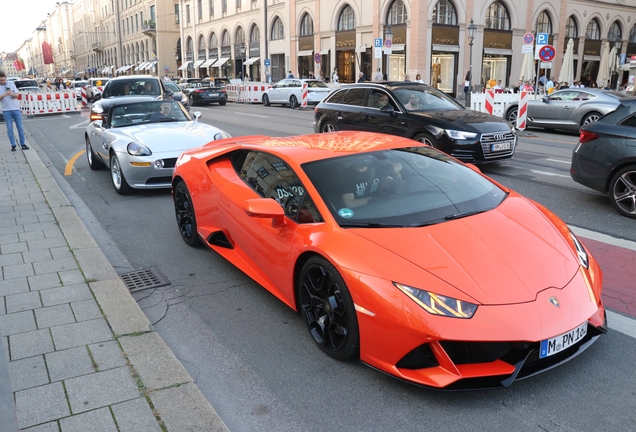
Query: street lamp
point(472, 28)
point(618, 44)
point(388, 35)
point(242, 50)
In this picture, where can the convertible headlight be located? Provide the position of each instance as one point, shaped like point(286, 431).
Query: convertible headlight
point(437, 304)
point(137, 149)
point(580, 251)
point(221, 135)
point(462, 135)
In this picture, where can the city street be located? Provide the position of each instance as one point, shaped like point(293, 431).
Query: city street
point(252, 357)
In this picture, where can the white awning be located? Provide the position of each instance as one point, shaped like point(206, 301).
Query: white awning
point(141, 66)
point(398, 47)
point(324, 51)
point(305, 53)
point(198, 63)
point(127, 67)
point(251, 60)
point(220, 62)
point(362, 48)
point(184, 66)
point(119, 69)
point(208, 63)
point(151, 64)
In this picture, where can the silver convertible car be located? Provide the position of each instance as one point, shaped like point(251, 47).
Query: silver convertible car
point(140, 141)
point(567, 109)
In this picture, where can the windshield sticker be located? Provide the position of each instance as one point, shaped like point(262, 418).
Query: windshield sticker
point(345, 213)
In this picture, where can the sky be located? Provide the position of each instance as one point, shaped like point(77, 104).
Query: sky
point(20, 18)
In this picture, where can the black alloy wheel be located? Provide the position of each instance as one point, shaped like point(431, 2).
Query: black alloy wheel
point(327, 308)
point(265, 100)
point(328, 127)
point(293, 102)
point(623, 191)
point(426, 139)
point(184, 211)
point(93, 160)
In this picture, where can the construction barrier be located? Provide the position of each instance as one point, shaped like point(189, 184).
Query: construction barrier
point(251, 92)
point(305, 94)
point(48, 103)
point(490, 101)
point(499, 102)
point(522, 111)
point(84, 97)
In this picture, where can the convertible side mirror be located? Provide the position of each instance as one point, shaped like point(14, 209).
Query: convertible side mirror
point(196, 115)
point(97, 96)
point(265, 208)
point(169, 94)
point(545, 99)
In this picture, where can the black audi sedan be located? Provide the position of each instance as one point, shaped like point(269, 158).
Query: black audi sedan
point(605, 157)
point(419, 112)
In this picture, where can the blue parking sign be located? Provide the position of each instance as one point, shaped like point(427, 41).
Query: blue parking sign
point(542, 38)
point(377, 42)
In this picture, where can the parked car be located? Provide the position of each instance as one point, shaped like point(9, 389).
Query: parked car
point(216, 81)
point(183, 82)
point(26, 84)
point(95, 87)
point(77, 86)
point(419, 112)
point(128, 86)
point(177, 94)
point(206, 95)
point(567, 109)
point(438, 275)
point(139, 140)
point(290, 92)
point(605, 158)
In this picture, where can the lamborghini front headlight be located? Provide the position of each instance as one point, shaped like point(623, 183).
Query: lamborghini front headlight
point(437, 304)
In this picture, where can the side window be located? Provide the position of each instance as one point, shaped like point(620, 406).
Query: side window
point(630, 121)
point(337, 97)
point(378, 99)
point(355, 96)
point(270, 177)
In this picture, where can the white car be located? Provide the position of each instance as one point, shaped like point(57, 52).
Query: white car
point(77, 85)
point(290, 92)
point(95, 87)
point(139, 139)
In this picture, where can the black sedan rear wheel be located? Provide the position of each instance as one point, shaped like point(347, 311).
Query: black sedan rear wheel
point(623, 191)
point(328, 126)
point(327, 307)
point(184, 211)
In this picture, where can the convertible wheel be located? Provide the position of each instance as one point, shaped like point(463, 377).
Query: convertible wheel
point(93, 160)
point(119, 181)
point(293, 102)
point(590, 118)
point(186, 220)
point(511, 115)
point(327, 307)
point(427, 139)
point(623, 191)
point(328, 127)
point(265, 100)
point(222, 102)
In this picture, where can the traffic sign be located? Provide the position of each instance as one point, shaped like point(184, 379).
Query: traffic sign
point(266, 62)
point(542, 38)
point(528, 39)
point(377, 42)
point(388, 43)
point(547, 53)
point(527, 49)
point(317, 57)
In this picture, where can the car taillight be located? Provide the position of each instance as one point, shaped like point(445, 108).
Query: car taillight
point(222, 91)
point(200, 90)
point(585, 136)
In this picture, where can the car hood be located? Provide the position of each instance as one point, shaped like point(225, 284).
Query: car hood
point(468, 120)
point(504, 256)
point(173, 136)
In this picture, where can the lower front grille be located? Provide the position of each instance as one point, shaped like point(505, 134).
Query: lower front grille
point(169, 162)
point(158, 180)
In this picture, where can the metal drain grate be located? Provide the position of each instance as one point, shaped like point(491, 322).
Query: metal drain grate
point(143, 279)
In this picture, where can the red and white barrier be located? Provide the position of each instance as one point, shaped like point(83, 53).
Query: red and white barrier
point(522, 110)
point(490, 101)
point(47, 103)
point(305, 94)
point(252, 92)
point(84, 97)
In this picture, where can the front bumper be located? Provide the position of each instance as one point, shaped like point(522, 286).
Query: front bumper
point(152, 176)
point(482, 150)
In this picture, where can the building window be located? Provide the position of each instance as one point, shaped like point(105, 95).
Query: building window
point(214, 43)
point(632, 34)
point(176, 14)
point(255, 34)
point(200, 10)
point(152, 12)
point(187, 14)
point(240, 35)
point(593, 30)
point(278, 31)
point(347, 19)
point(615, 32)
point(211, 7)
point(225, 39)
point(223, 6)
point(238, 4)
point(497, 17)
point(444, 13)
point(306, 26)
point(571, 29)
point(136, 22)
point(543, 24)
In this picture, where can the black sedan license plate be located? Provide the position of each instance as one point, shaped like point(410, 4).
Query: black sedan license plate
point(500, 146)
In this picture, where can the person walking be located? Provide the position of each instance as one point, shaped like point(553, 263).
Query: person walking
point(334, 76)
point(11, 111)
point(361, 77)
point(378, 76)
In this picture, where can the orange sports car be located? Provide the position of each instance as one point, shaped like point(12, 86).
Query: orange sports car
point(397, 254)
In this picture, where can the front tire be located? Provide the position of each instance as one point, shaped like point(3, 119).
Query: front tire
point(265, 100)
point(328, 126)
point(117, 176)
point(222, 102)
point(426, 139)
point(328, 310)
point(293, 102)
point(93, 160)
point(622, 191)
point(184, 211)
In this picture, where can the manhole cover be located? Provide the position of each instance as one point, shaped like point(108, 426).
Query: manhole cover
point(143, 279)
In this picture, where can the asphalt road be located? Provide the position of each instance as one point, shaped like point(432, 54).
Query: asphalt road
point(251, 355)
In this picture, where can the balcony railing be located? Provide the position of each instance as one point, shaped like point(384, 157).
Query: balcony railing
point(97, 46)
point(149, 29)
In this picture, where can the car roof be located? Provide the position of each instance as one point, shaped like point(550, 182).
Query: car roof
point(313, 147)
point(133, 77)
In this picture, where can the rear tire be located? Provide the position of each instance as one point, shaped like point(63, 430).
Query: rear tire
point(590, 118)
point(622, 191)
point(328, 126)
point(512, 114)
point(265, 100)
point(293, 102)
point(222, 102)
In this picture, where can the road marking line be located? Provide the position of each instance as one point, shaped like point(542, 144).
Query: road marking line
point(252, 115)
point(77, 126)
point(69, 166)
point(560, 161)
point(621, 323)
point(549, 174)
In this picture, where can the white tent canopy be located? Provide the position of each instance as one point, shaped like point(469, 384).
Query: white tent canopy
point(567, 67)
point(527, 68)
point(603, 75)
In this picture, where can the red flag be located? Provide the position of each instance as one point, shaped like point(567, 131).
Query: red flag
point(22, 66)
point(47, 53)
point(17, 65)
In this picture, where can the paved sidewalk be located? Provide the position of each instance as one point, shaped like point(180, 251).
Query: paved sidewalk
point(79, 353)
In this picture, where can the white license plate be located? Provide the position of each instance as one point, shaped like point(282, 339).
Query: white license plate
point(500, 146)
point(213, 94)
point(559, 343)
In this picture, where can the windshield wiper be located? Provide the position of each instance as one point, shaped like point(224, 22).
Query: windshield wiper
point(371, 225)
point(464, 214)
point(167, 119)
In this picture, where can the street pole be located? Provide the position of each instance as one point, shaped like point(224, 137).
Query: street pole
point(472, 28)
